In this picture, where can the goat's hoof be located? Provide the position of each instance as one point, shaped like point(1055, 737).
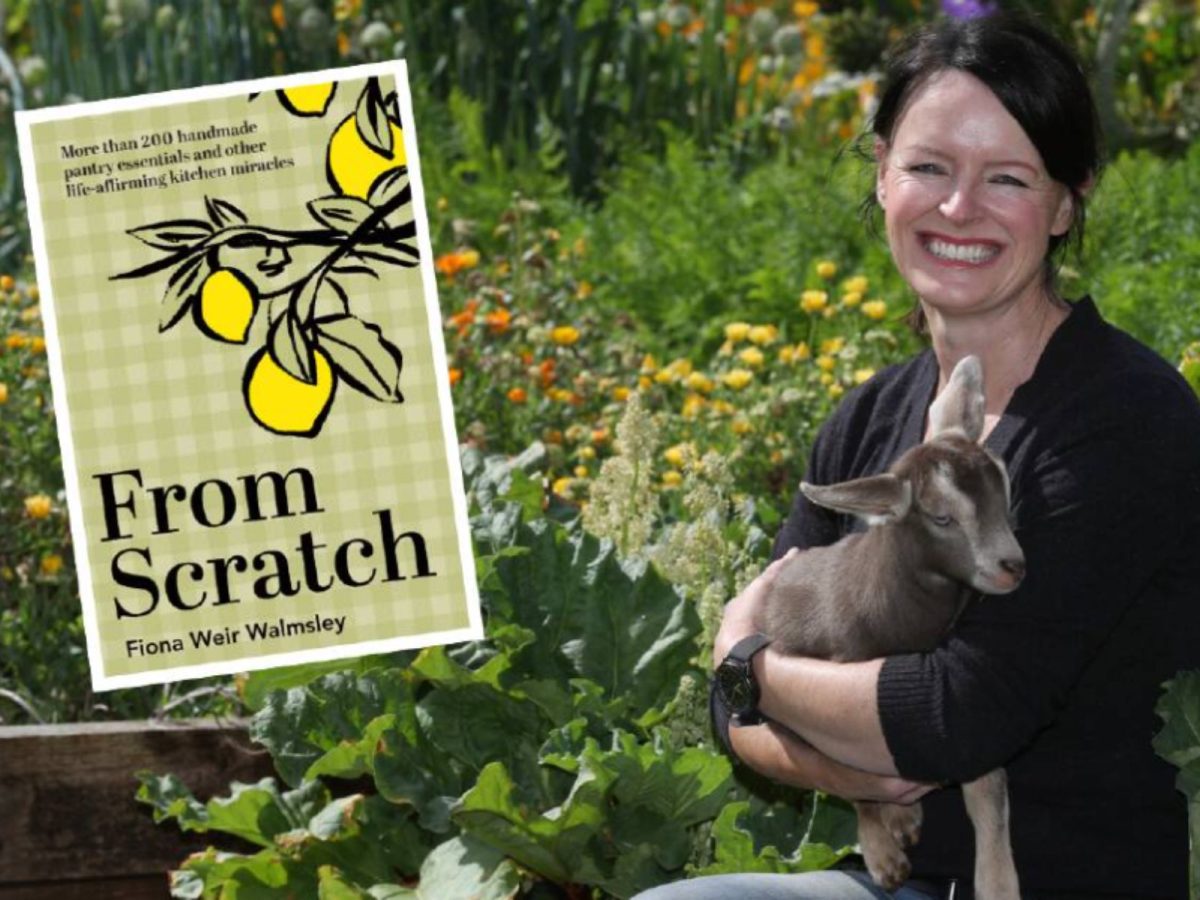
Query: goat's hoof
point(889, 869)
point(903, 823)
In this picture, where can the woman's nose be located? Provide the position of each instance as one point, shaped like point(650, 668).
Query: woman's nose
point(961, 203)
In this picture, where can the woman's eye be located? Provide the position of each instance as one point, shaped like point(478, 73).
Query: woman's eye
point(925, 168)
point(1009, 180)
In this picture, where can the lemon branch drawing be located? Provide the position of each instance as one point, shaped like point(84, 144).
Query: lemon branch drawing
point(223, 269)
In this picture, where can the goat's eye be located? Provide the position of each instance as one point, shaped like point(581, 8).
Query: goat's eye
point(941, 521)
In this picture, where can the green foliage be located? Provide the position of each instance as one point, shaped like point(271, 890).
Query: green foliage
point(529, 757)
point(1143, 234)
point(1179, 743)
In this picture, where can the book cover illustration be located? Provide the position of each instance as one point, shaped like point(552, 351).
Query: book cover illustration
point(249, 375)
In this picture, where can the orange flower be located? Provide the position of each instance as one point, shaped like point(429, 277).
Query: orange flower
point(7, 283)
point(450, 264)
point(546, 372)
point(466, 318)
point(455, 376)
point(517, 395)
point(498, 320)
point(278, 16)
point(16, 341)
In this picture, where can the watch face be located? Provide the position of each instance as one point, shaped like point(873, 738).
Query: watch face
point(737, 690)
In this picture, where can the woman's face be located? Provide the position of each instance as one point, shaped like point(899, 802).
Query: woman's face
point(968, 204)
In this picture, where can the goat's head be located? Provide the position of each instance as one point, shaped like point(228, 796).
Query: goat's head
point(950, 495)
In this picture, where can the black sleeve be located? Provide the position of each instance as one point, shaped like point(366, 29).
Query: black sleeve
point(1098, 514)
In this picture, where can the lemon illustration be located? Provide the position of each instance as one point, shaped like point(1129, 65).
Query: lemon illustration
point(310, 100)
point(283, 403)
point(227, 304)
point(353, 165)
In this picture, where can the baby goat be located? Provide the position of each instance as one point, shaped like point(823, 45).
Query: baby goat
point(939, 532)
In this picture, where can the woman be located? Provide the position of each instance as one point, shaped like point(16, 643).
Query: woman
point(986, 145)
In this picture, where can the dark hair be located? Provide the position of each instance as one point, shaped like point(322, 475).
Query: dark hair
point(1033, 74)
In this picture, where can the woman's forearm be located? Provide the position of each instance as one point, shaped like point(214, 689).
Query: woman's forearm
point(833, 706)
point(780, 755)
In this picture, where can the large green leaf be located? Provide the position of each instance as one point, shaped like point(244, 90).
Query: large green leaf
point(1179, 743)
point(463, 868)
point(628, 632)
point(302, 724)
point(749, 836)
point(253, 812)
point(623, 826)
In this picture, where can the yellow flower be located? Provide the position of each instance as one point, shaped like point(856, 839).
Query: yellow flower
point(51, 564)
point(676, 455)
point(787, 353)
point(37, 506)
point(7, 283)
point(874, 309)
point(584, 290)
point(737, 331)
point(826, 379)
point(644, 383)
point(763, 335)
point(680, 368)
point(805, 9)
point(3, 393)
point(565, 335)
point(672, 479)
point(587, 452)
point(836, 390)
point(37, 345)
point(737, 378)
point(813, 301)
point(826, 268)
point(832, 345)
point(664, 376)
point(829, 312)
point(863, 375)
point(649, 364)
point(752, 357)
point(852, 299)
point(562, 487)
point(581, 472)
point(803, 352)
point(826, 363)
point(698, 381)
point(741, 425)
point(856, 285)
point(692, 404)
point(621, 393)
point(723, 407)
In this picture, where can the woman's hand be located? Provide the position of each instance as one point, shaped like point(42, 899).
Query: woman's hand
point(741, 613)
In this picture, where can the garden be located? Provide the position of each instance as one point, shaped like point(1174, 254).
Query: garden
point(656, 284)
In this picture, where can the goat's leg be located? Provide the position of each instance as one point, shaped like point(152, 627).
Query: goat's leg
point(987, 805)
point(884, 854)
point(903, 820)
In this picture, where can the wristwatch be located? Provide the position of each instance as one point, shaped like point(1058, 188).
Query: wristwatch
point(736, 685)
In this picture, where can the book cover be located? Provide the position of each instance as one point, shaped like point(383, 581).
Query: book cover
point(249, 376)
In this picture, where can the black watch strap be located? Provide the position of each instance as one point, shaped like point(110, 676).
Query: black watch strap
point(736, 684)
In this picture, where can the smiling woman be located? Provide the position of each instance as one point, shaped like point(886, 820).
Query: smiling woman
point(986, 145)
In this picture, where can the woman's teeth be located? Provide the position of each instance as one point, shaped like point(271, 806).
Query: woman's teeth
point(972, 253)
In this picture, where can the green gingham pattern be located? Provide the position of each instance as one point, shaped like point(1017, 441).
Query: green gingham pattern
point(170, 404)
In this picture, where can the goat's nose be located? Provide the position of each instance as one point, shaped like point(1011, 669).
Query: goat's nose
point(1014, 567)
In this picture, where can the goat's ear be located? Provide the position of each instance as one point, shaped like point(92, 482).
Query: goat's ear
point(879, 499)
point(959, 407)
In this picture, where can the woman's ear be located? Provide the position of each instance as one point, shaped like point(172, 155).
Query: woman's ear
point(880, 168)
point(1065, 216)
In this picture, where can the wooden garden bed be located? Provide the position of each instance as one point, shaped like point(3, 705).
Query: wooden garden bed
point(69, 825)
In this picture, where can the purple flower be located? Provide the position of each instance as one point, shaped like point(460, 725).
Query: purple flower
point(968, 9)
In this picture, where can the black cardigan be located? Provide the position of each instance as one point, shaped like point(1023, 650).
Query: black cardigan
point(1058, 680)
